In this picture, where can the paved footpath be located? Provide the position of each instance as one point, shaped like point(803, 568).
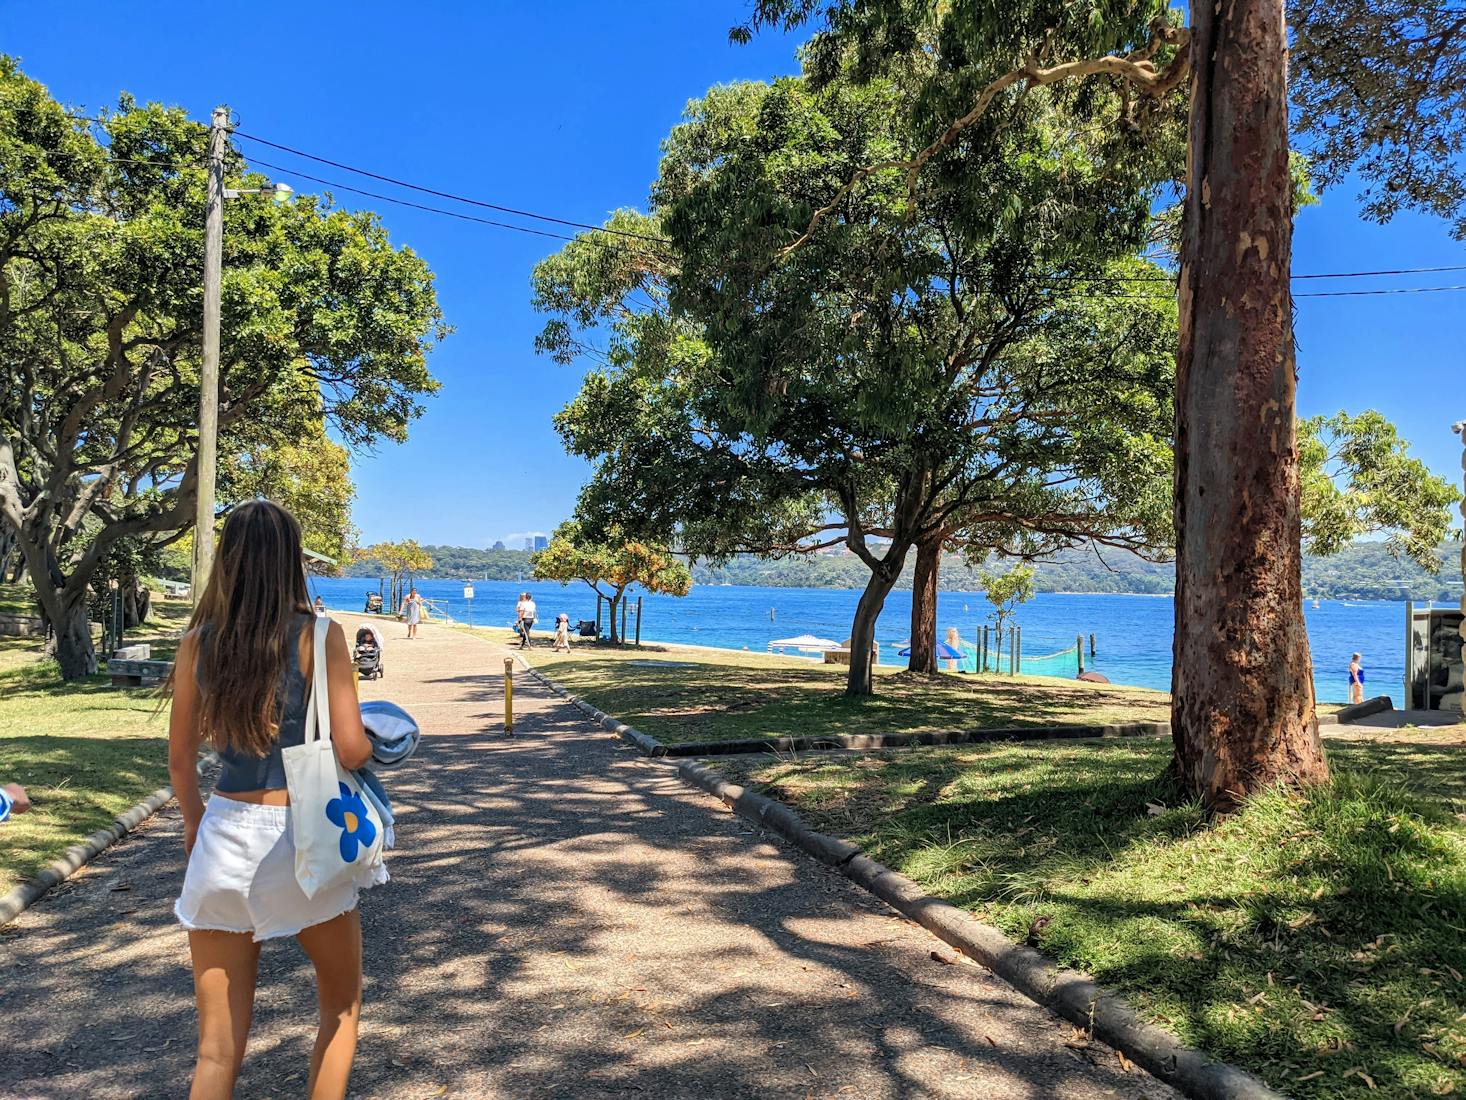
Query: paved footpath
point(565, 919)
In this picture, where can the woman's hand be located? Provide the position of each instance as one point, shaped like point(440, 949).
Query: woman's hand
point(20, 802)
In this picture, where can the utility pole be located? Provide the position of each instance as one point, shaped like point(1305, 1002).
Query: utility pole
point(203, 531)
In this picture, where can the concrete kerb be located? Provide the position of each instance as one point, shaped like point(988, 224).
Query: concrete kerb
point(1073, 995)
point(652, 747)
point(22, 897)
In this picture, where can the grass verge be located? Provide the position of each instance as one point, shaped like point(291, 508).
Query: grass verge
point(1319, 941)
point(680, 694)
point(84, 750)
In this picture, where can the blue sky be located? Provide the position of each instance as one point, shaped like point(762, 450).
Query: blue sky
point(559, 107)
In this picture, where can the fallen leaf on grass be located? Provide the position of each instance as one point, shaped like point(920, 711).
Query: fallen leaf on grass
point(634, 1034)
point(1358, 1071)
point(1314, 1076)
point(1154, 809)
point(1125, 1063)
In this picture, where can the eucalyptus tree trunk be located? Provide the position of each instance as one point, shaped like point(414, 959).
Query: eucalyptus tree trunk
point(1242, 710)
point(924, 603)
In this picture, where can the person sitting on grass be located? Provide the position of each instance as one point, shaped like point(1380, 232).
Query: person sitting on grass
point(13, 800)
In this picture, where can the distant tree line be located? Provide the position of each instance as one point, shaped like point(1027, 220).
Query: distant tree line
point(1362, 571)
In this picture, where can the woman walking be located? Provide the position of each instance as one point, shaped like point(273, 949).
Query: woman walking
point(412, 612)
point(240, 685)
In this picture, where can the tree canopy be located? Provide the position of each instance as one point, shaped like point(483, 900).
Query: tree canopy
point(958, 370)
point(1358, 479)
point(101, 232)
point(610, 563)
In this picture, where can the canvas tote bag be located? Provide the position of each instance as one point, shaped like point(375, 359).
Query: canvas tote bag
point(338, 834)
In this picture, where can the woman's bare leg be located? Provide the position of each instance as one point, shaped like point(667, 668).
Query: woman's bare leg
point(224, 968)
point(334, 948)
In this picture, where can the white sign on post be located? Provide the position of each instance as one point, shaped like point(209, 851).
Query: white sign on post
point(468, 591)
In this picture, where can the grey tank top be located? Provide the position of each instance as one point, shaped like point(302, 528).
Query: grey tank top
point(242, 772)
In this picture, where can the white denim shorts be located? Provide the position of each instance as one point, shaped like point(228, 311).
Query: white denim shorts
point(241, 876)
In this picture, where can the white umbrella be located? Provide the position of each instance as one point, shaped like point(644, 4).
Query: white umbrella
point(804, 641)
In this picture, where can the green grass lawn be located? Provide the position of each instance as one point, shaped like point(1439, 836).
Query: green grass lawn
point(1319, 941)
point(85, 751)
point(680, 694)
point(16, 599)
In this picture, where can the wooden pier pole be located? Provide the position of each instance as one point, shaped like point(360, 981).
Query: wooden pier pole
point(1079, 651)
point(1091, 645)
point(638, 622)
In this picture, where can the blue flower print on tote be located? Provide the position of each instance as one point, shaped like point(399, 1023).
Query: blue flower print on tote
point(349, 814)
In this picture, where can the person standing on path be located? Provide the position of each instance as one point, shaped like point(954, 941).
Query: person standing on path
point(1356, 680)
point(412, 612)
point(524, 613)
point(240, 684)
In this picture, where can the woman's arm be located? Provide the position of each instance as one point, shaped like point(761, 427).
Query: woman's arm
point(353, 749)
point(183, 739)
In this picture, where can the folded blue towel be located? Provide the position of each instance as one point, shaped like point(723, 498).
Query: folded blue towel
point(393, 732)
point(394, 735)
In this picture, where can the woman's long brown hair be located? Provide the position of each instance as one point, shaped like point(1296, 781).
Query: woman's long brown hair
point(255, 594)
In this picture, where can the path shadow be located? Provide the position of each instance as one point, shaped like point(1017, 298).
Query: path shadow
point(565, 919)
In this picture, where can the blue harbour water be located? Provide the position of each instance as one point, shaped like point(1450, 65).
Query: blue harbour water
point(1133, 633)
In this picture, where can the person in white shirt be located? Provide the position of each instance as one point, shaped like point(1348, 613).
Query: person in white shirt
point(524, 612)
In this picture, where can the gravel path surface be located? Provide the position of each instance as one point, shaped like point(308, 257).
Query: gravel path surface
point(566, 919)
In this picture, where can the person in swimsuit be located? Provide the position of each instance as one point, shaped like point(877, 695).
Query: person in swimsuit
point(1356, 680)
point(239, 685)
point(412, 612)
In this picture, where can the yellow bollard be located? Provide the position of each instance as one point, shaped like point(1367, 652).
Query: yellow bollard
point(509, 696)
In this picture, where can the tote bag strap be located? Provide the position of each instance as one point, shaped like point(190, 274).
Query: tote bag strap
point(318, 710)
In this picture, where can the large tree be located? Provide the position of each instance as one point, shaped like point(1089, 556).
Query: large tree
point(890, 379)
point(1380, 90)
point(100, 313)
point(609, 563)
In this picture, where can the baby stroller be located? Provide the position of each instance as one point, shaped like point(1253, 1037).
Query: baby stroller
point(368, 653)
point(373, 603)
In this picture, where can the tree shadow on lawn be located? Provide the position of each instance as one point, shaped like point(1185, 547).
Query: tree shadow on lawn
point(77, 786)
point(1297, 930)
point(565, 918)
point(724, 702)
point(1434, 772)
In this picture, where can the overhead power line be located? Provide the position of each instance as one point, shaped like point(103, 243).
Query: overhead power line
point(450, 195)
point(649, 238)
point(1387, 290)
point(413, 205)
